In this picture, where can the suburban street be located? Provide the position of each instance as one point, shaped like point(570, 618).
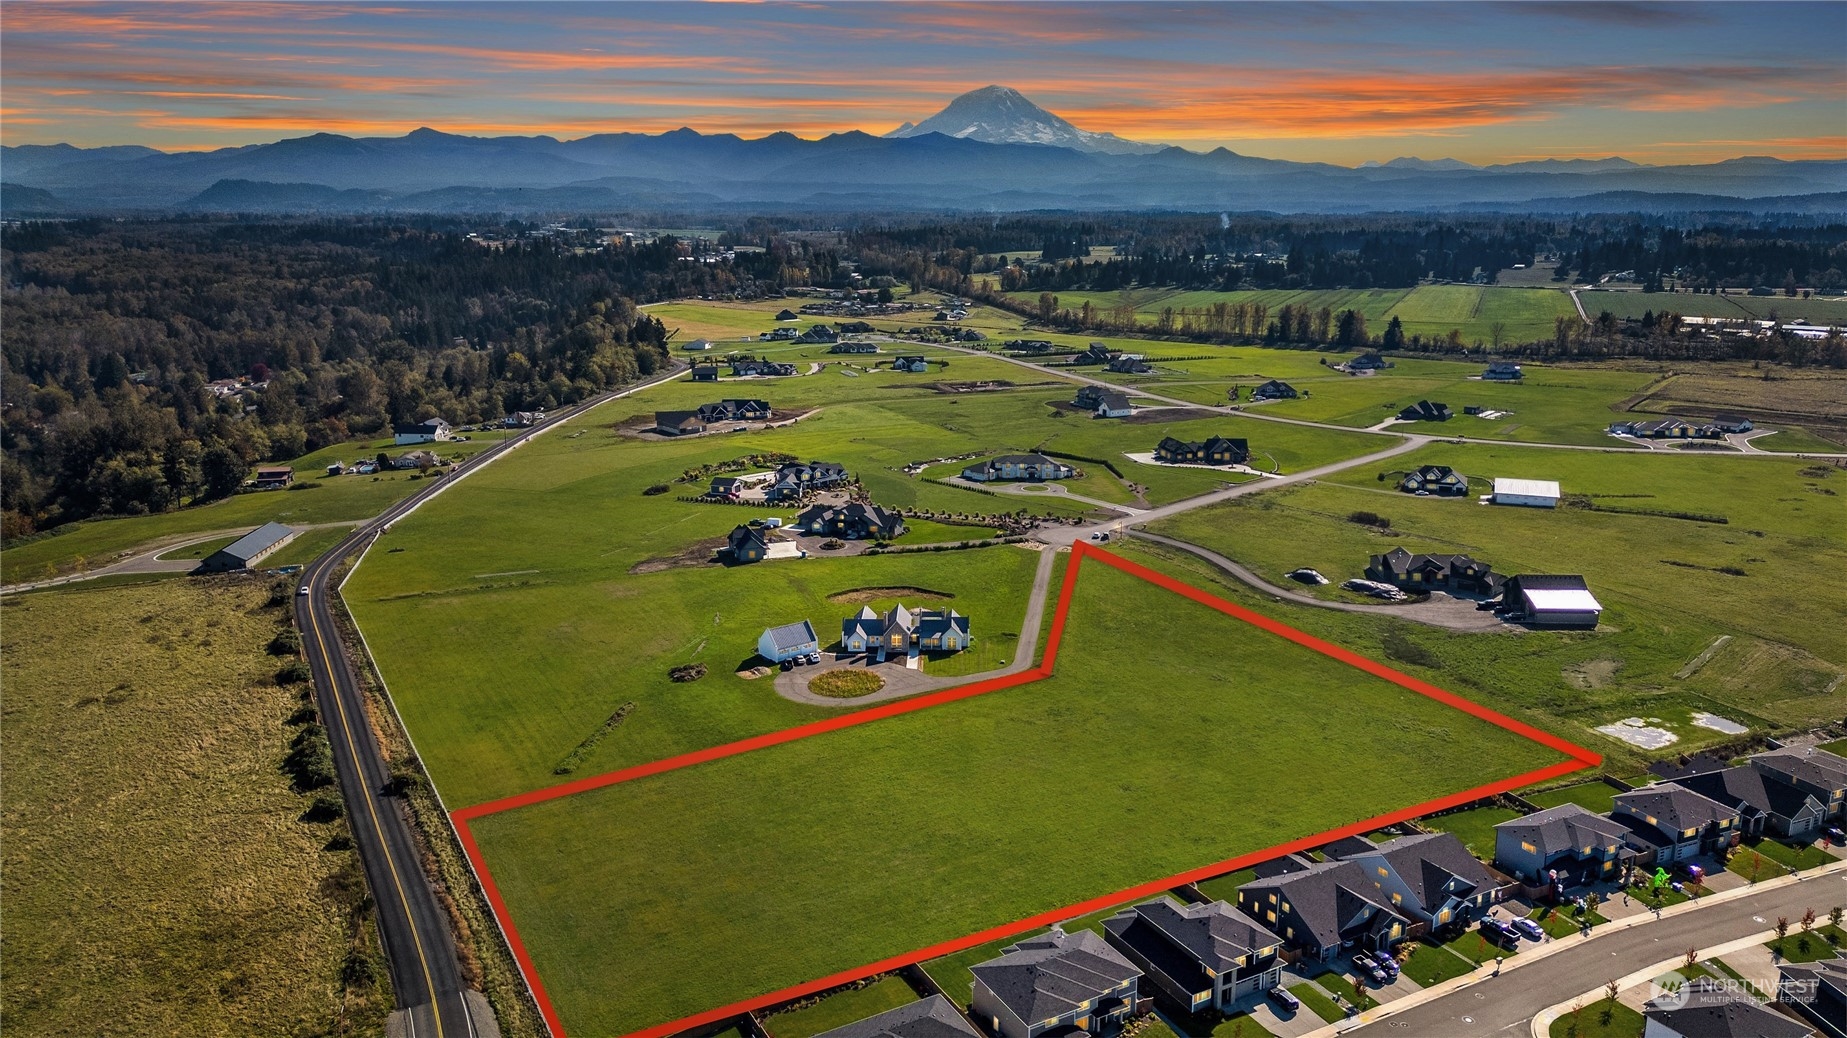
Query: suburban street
point(1502, 1006)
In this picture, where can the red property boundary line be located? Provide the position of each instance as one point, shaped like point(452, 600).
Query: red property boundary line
point(1578, 758)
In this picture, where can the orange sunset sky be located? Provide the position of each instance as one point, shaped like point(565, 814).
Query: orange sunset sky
point(1341, 83)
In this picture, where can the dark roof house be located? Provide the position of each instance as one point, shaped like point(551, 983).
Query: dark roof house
point(1323, 909)
point(1199, 955)
point(1111, 404)
point(1766, 805)
point(1429, 876)
point(1050, 982)
point(1400, 568)
point(1817, 991)
point(1425, 411)
point(748, 544)
point(1578, 843)
point(1706, 1008)
point(1274, 390)
point(678, 423)
point(853, 521)
point(1435, 479)
point(933, 1017)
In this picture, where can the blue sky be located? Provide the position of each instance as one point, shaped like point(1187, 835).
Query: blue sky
point(1333, 82)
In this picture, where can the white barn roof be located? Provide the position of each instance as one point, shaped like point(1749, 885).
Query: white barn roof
point(1526, 487)
point(1554, 600)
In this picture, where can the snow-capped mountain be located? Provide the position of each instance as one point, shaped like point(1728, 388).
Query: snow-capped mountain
point(1003, 115)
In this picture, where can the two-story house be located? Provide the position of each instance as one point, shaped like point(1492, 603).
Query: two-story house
point(1431, 878)
point(1673, 822)
point(1031, 468)
point(1578, 844)
point(854, 521)
point(1198, 956)
point(1274, 390)
point(1817, 772)
point(1766, 806)
point(1052, 982)
point(905, 632)
point(1440, 480)
point(1324, 909)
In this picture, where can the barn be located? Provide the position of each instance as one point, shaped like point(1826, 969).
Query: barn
point(1555, 600)
point(248, 549)
point(1533, 493)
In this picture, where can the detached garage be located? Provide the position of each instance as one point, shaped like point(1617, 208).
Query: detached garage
point(1533, 493)
point(788, 642)
point(1552, 600)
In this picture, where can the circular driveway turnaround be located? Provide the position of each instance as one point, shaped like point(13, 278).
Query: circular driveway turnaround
point(901, 681)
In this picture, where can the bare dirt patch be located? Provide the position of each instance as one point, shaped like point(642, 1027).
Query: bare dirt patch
point(698, 553)
point(860, 595)
point(1592, 673)
point(845, 683)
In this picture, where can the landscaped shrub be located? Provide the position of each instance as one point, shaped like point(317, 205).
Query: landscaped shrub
point(845, 683)
point(1370, 519)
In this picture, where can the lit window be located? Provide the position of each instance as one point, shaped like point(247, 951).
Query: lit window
point(1528, 848)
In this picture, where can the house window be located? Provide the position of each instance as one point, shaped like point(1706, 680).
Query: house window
point(1528, 847)
point(1651, 819)
point(1443, 916)
point(1270, 915)
point(1201, 997)
point(1289, 933)
point(1381, 870)
point(1397, 929)
point(1285, 906)
point(1397, 899)
point(1273, 899)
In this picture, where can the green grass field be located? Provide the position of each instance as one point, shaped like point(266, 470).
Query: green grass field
point(157, 875)
point(1599, 1019)
point(1592, 796)
point(1777, 673)
point(1474, 827)
point(559, 554)
point(951, 972)
point(1431, 964)
point(328, 499)
point(841, 1008)
point(1429, 310)
point(817, 855)
point(1736, 307)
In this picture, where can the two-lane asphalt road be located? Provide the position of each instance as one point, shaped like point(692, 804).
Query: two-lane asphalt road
point(426, 975)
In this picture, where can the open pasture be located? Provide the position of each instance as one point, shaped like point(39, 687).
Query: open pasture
point(819, 855)
point(1822, 311)
point(581, 577)
point(1665, 583)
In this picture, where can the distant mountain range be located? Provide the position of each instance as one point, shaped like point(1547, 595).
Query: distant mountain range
point(990, 150)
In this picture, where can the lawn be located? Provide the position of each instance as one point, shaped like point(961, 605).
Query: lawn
point(1225, 888)
point(1670, 586)
point(841, 1008)
point(1838, 747)
point(1433, 964)
point(1340, 984)
point(821, 854)
point(1601, 1019)
point(1819, 943)
point(1807, 856)
point(1563, 922)
point(1212, 1025)
point(1315, 999)
point(1474, 946)
point(158, 876)
point(1474, 827)
point(1597, 797)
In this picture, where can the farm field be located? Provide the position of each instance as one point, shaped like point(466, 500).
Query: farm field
point(97, 542)
point(1738, 307)
point(587, 586)
point(817, 855)
point(1661, 580)
point(209, 909)
point(1527, 314)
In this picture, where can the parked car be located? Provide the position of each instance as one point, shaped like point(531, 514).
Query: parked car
point(1498, 933)
point(814, 657)
point(1365, 968)
point(1528, 929)
point(1283, 999)
point(1386, 963)
point(1835, 835)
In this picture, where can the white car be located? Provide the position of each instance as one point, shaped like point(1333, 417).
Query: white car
point(302, 590)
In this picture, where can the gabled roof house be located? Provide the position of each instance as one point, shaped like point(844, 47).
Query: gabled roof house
point(1275, 389)
point(855, 521)
point(1579, 844)
point(1430, 877)
point(1766, 805)
point(1055, 982)
point(933, 1017)
point(1324, 909)
point(1435, 479)
point(1200, 956)
point(1673, 822)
